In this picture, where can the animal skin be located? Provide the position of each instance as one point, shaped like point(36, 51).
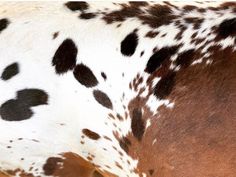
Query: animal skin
point(118, 89)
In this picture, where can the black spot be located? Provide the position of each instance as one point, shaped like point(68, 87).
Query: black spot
point(129, 44)
point(137, 124)
point(151, 34)
point(79, 5)
point(201, 10)
point(90, 134)
point(124, 144)
point(195, 21)
point(32, 97)
point(194, 35)
point(87, 16)
point(65, 56)
point(10, 71)
point(3, 24)
point(14, 110)
point(104, 75)
point(138, 3)
point(54, 36)
point(119, 117)
point(141, 54)
point(85, 76)
point(189, 7)
point(185, 58)
point(163, 35)
point(102, 98)
point(165, 86)
point(227, 28)
point(19, 109)
point(160, 56)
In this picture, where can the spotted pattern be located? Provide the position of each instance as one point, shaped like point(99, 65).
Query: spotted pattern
point(118, 89)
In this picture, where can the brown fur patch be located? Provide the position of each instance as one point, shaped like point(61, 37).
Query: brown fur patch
point(3, 174)
point(137, 124)
point(197, 137)
point(158, 14)
point(18, 171)
point(92, 135)
point(71, 165)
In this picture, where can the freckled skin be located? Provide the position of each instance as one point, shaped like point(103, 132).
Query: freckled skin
point(128, 89)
